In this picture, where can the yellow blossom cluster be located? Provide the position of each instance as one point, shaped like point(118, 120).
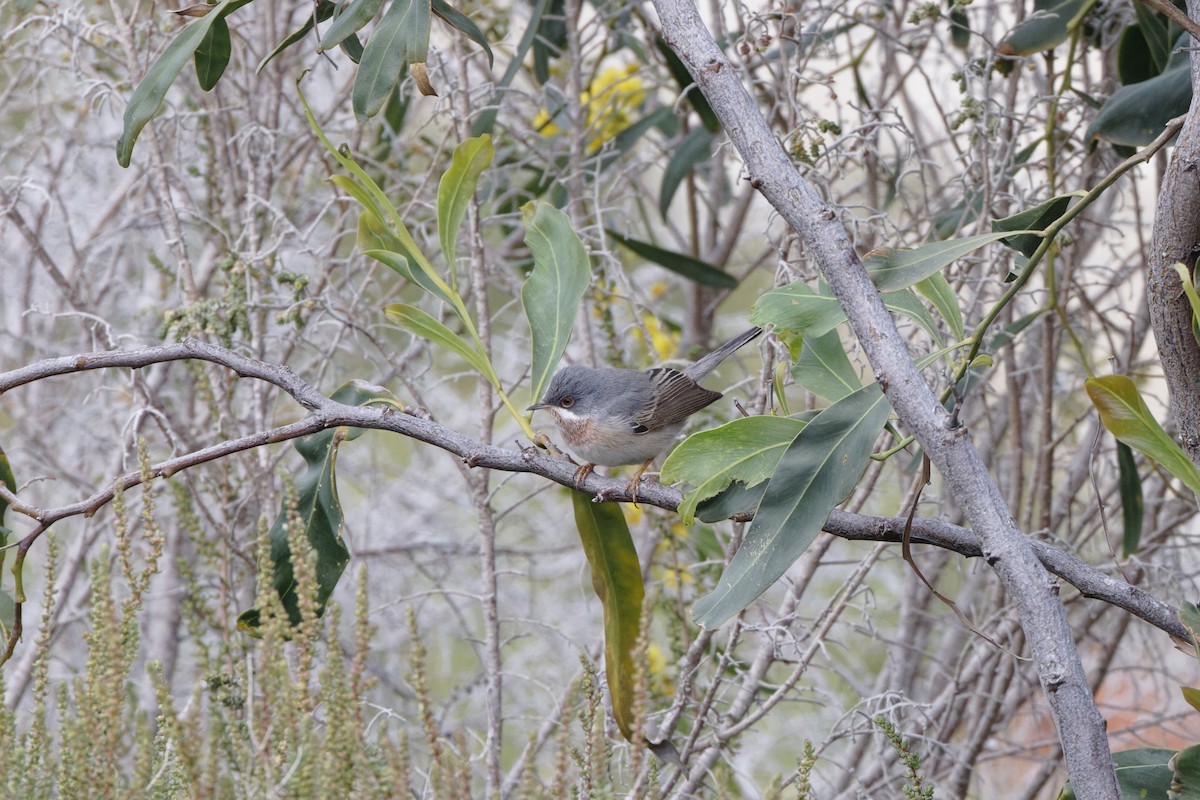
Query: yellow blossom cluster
point(609, 103)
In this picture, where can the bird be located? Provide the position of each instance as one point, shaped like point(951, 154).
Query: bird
point(611, 417)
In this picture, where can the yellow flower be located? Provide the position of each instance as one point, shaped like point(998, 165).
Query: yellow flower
point(609, 103)
point(664, 343)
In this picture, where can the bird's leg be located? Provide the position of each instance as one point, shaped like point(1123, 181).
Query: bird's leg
point(582, 472)
point(636, 480)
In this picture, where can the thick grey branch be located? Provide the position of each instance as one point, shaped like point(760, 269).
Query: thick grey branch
point(1043, 618)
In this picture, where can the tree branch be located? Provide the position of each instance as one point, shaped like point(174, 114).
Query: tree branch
point(414, 424)
point(1040, 610)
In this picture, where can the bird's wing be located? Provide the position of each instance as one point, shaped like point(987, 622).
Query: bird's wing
point(676, 398)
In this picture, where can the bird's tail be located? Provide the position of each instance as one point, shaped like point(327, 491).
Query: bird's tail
point(708, 363)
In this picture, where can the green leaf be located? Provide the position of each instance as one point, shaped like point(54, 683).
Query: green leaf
point(465, 24)
point(745, 450)
point(1192, 696)
point(817, 472)
point(148, 97)
point(691, 268)
point(550, 41)
point(1038, 218)
point(324, 11)
point(1142, 774)
point(416, 321)
point(617, 581)
point(1127, 417)
point(487, 120)
point(1132, 507)
point(937, 290)
point(906, 303)
point(401, 37)
point(1186, 781)
point(1137, 113)
point(317, 506)
point(1189, 615)
point(893, 269)
point(554, 289)
point(457, 187)
point(683, 78)
point(737, 498)
point(1154, 30)
point(1049, 26)
point(212, 56)
point(8, 607)
point(353, 17)
point(799, 309)
point(696, 148)
point(824, 369)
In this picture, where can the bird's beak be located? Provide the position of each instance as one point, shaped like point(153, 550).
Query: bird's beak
point(536, 406)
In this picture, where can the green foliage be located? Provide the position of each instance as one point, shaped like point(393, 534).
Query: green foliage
point(818, 470)
point(1126, 416)
point(915, 789)
point(746, 450)
point(617, 581)
point(555, 287)
point(691, 268)
point(312, 513)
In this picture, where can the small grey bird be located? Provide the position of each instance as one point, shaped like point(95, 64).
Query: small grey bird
point(622, 416)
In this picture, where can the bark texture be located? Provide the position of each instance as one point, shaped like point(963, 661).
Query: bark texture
point(1177, 239)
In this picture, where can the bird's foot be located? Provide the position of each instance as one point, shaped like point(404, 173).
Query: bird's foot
point(636, 480)
point(582, 473)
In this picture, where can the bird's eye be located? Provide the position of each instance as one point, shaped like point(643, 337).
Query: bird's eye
point(567, 402)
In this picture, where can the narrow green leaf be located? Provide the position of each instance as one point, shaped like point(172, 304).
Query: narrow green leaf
point(824, 369)
point(617, 581)
point(351, 20)
point(683, 78)
point(893, 269)
point(1134, 115)
point(1189, 615)
point(1192, 696)
point(465, 24)
point(1127, 417)
point(487, 120)
point(937, 290)
point(1132, 506)
point(906, 303)
point(550, 41)
point(696, 148)
point(212, 56)
point(745, 450)
point(1049, 26)
point(364, 196)
point(148, 97)
point(691, 268)
point(554, 289)
point(817, 471)
point(394, 248)
point(798, 309)
point(316, 503)
point(418, 322)
point(401, 37)
point(8, 607)
point(1154, 28)
point(324, 11)
point(1038, 218)
point(457, 187)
